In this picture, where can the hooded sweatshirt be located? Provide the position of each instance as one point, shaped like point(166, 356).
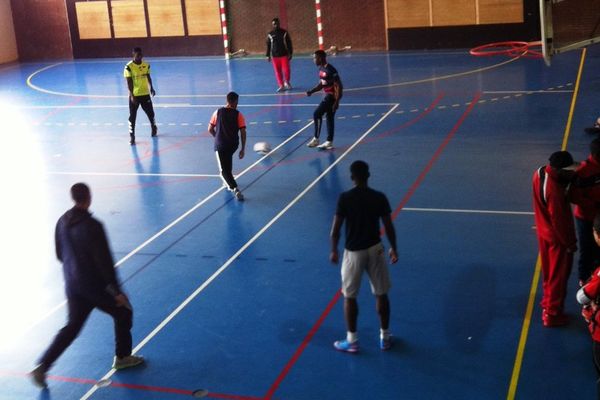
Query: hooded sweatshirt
point(82, 247)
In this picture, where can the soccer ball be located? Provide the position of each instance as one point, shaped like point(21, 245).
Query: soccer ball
point(262, 147)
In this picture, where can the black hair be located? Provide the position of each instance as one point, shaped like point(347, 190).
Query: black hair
point(321, 53)
point(275, 20)
point(136, 50)
point(80, 193)
point(232, 97)
point(597, 224)
point(360, 170)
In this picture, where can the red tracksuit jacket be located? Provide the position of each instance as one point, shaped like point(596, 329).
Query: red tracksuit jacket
point(553, 215)
point(590, 312)
point(587, 197)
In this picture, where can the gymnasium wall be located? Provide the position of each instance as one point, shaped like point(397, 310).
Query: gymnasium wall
point(350, 22)
point(433, 24)
point(58, 29)
point(8, 44)
point(249, 23)
point(111, 28)
point(41, 29)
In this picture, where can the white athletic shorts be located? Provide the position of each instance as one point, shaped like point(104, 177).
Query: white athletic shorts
point(371, 260)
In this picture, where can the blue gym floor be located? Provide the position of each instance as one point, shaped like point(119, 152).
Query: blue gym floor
point(239, 298)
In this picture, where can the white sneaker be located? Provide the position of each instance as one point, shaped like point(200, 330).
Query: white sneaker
point(287, 86)
point(313, 143)
point(127, 361)
point(238, 195)
point(326, 146)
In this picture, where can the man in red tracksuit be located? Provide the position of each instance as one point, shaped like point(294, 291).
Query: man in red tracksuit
point(586, 196)
point(589, 297)
point(555, 232)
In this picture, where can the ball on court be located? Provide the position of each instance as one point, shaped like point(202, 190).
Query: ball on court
point(262, 147)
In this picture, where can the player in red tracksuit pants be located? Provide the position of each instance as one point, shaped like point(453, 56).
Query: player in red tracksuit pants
point(555, 232)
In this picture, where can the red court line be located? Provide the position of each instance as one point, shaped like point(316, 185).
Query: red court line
point(322, 154)
point(146, 388)
point(300, 349)
point(282, 375)
point(58, 110)
point(435, 157)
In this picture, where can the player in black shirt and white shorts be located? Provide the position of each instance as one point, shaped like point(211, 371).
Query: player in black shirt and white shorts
point(362, 208)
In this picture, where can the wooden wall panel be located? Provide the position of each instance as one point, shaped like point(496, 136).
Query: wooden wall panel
point(203, 17)
point(500, 11)
point(41, 29)
point(92, 20)
point(8, 44)
point(407, 13)
point(454, 12)
point(129, 18)
point(166, 18)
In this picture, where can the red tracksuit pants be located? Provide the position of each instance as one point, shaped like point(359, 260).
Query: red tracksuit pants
point(281, 66)
point(556, 267)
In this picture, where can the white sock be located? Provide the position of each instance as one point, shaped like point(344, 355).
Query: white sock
point(384, 333)
point(351, 337)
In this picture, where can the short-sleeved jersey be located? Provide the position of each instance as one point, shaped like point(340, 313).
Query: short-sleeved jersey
point(362, 208)
point(227, 122)
point(327, 76)
point(139, 75)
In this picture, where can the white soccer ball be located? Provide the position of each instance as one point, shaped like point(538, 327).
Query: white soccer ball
point(262, 147)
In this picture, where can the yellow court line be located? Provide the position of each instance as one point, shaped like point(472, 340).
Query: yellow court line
point(573, 101)
point(512, 389)
point(524, 332)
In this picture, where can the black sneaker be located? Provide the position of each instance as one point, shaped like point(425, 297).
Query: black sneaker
point(38, 375)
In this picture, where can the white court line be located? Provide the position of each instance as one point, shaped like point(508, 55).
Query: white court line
point(259, 57)
point(191, 297)
point(381, 86)
point(176, 221)
point(187, 105)
point(132, 174)
point(525, 91)
point(455, 210)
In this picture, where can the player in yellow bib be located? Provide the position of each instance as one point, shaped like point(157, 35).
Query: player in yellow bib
point(139, 84)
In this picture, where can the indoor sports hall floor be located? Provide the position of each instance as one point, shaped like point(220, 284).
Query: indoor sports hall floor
point(239, 298)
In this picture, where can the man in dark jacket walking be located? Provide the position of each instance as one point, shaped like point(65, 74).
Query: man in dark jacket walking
point(279, 50)
point(90, 282)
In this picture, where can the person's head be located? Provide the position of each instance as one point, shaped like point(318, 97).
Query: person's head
point(596, 229)
point(137, 55)
point(595, 149)
point(359, 172)
point(275, 23)
point(562, 162)
point(320, 57)
point(232, 99)
point(81, 195)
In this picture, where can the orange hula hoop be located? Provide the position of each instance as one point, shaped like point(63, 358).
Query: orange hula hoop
point(508, 48)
